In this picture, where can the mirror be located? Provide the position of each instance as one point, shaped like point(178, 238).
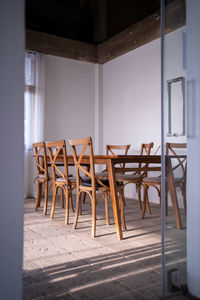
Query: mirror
point(176, 106)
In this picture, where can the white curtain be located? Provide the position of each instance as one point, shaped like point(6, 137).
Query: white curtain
point(39, 98)
point(34, 98)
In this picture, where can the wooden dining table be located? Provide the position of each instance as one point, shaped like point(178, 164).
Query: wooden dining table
point(149, 163)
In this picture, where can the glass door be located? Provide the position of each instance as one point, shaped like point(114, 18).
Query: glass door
point(174, 146)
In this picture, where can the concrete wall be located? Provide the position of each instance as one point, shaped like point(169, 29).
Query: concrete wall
point(12, 149)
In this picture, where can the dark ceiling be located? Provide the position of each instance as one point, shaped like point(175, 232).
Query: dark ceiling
point(90, 21)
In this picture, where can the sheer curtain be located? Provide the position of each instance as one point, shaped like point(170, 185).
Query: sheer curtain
point(34, 98)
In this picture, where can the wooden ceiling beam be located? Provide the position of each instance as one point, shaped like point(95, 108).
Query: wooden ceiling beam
point(135, 36)
point(142, 32)
point(58, 46)
point(131, 38)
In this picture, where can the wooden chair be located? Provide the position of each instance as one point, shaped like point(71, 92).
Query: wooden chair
point(114, 150)
point(136, 177)
point(179, 181)
point(43, 178)
point(88, 182)
point(61, 177)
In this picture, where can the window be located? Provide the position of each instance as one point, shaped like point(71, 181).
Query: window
point(29, 97)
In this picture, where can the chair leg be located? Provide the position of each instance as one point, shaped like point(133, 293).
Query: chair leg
point(183, 190)
point(107, 208)
point(78, 201)
point(39, 194)
point(61, 198)
point(80, 205)
point(166, 200)
point(67, 206)
point(123, 195)
point(50, 185)
point(121, 201)
point(144, 201)
point(139, 196)
point(84, 196)
point(53, 201)
point(70, 200)
point(147, 202)
point(93, 204)
point(45, 197)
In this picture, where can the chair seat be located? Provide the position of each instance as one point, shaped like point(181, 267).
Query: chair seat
point(41, 176)
point(87, 182)
point(102, 174)
point(158, 179)
point(61, 179)
point(152, 179)
point(127, 177)
point(120, 177)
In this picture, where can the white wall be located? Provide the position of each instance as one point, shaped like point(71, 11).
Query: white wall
point(131, 100)
point(12, 149)
point(174, 68)
point(69, 99)
point(131, 96)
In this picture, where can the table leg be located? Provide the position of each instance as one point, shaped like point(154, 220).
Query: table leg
point(172, 190)
point(114, 197)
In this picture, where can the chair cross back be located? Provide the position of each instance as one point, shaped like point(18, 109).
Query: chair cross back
point(43, 178)
point(145, 149)
point(56, 149)
point(91, 183)
point(41, 158)
point(60, 176)
point(86, 144)
point(179, 181)
point(181, 162)
point(110, 148)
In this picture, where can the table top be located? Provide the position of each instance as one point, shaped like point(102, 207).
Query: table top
point(102, 159)
point(120, 158)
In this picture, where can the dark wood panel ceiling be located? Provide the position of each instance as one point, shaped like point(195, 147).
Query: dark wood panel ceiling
point(90, 21)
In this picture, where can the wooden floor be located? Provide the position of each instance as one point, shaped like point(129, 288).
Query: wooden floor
point(62, 263)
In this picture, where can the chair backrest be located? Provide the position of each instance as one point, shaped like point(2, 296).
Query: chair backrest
point(145, 149)
point(180, 163)
point(118, 149)
point(56, 149)
point(39, 151)
point(84, 145)
point(112, 149)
